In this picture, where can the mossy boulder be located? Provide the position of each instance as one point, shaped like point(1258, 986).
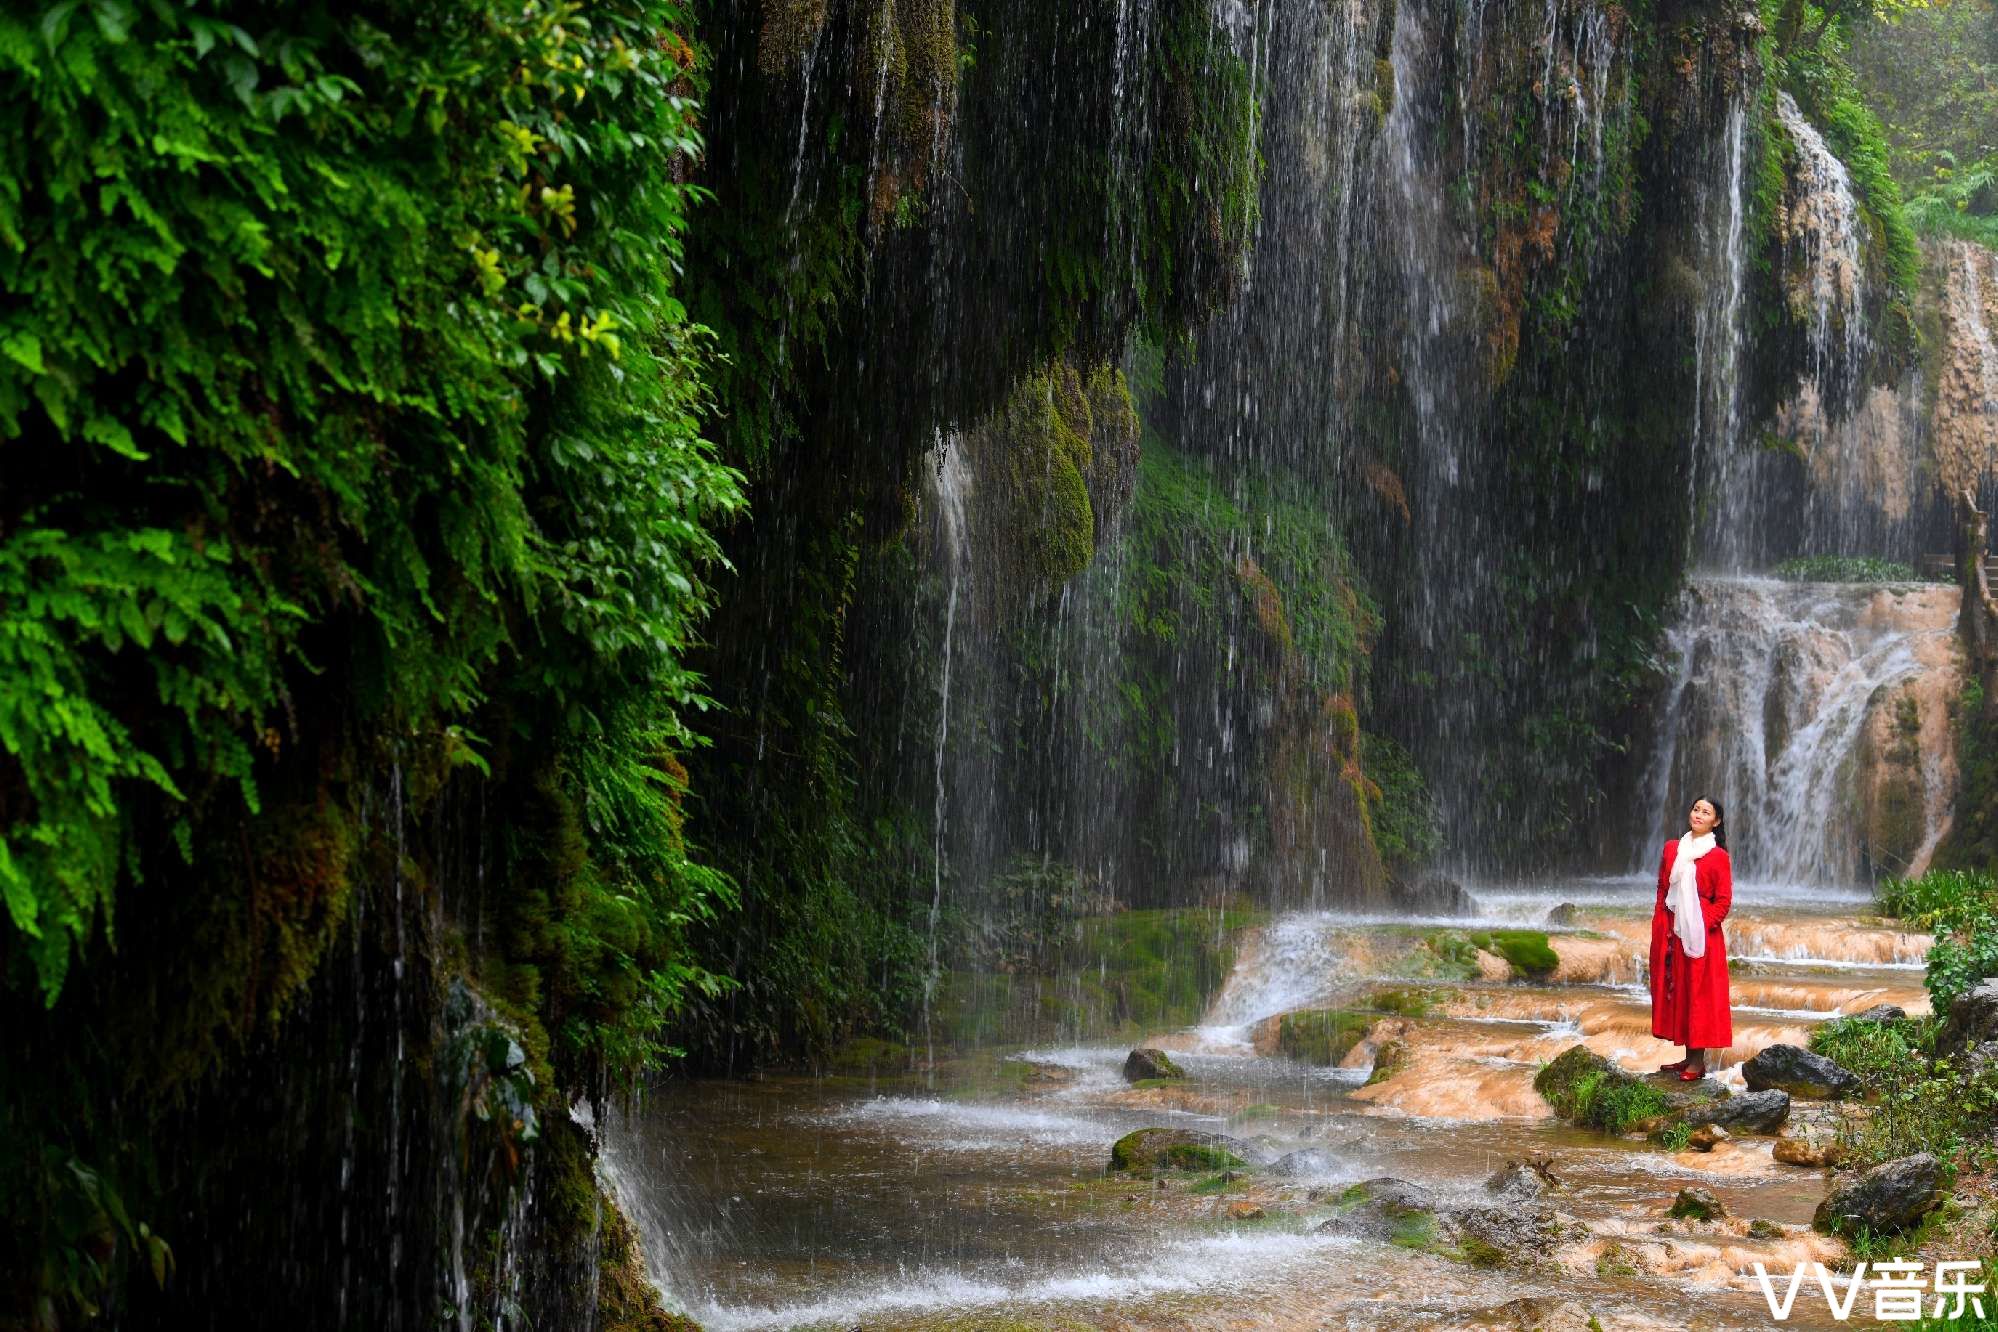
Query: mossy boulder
point(1410, 1000)
point(1410, 1216)
point(1527, 950)
point(1696, 1204)
point(1593, 1093)
point(1323, 1036)
point(1385, 1208)
point(1389, 1060)
point(1149, 1064)
point(1157, 1149)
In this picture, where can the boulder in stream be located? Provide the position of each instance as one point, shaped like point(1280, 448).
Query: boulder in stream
point(1434, 895)
point(1707, 1137)
point(1563, 914)
point(1753, 1112)
point(1588, 1090)
point(1697, 1204)
point(1798, 1071)
point(1541, 1313)
point(1815, 1145)
point(1148, 1063)
point(1524, 1179)
point(1384, 1208)
point(1177, 1149)
point(1413, 1217)
point(1891, 1196)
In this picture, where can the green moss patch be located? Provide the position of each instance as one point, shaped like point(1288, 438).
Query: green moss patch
point(1527, 950)
point(1589, 1091)
point(1174, 1149)
point(1391, 1059)
point(1323, 1036)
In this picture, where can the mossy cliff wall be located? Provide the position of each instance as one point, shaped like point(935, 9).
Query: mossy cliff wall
point(1412, 501)
point(873, 291)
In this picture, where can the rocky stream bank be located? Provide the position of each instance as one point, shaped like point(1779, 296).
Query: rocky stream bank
point(1440, 1124)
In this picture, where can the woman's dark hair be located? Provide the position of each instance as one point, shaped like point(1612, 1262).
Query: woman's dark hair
point(1720, 820)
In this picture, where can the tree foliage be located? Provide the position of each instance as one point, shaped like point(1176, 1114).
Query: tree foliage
point(361, 318)
point(1932, 73)
point(349, 421)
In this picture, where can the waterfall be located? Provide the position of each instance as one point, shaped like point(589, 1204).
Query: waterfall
point(1822, 228)
point(952, 482)
point(1817, 714)
point(1724, 479)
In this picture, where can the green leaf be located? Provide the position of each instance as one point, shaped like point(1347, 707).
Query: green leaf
point(25, 349)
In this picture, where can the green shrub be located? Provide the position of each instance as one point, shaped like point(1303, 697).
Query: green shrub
point(1926, 1109)
point(1921, 901)
point(1879, 1053)
point(1845, 569)
point(1961, 907)
point(1676, 1136)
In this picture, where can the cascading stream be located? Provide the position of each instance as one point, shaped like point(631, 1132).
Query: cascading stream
point(1816, 713)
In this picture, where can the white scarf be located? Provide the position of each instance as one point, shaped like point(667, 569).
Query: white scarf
point(1682, 895)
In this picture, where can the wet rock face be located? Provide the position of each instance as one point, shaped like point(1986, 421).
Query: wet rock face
point(1891, 1196)
point(1302, 1164)
point(1815, 1147)
point(1800, 1073)
point(1524, 1179)
point(1697, 1204)
point(1434, 895)
point(1147, 1063)
point(1973, 1018)
point(1707, 1137)
point(1178, 1149)
point(1756, 1112)
point(1485, 1235)
point(1389, 1059)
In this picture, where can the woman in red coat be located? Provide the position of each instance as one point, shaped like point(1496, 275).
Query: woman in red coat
point(1689, 998)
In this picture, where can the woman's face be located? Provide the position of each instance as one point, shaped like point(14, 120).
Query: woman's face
point(1701, 818)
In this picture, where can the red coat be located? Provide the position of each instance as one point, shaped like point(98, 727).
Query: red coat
point(1689, 998)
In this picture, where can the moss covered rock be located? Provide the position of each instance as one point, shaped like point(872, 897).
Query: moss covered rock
point(1389, 1060)
point(1149, 1064)
point(1527, 950)
point(1412, 1217)
point(1158, 1149)
point(1694, 1204)
point(1589, 1091)
point(1323, 1036)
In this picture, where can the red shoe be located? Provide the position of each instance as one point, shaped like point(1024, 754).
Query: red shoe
point(1672, 1067)
point(1691, 1074)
